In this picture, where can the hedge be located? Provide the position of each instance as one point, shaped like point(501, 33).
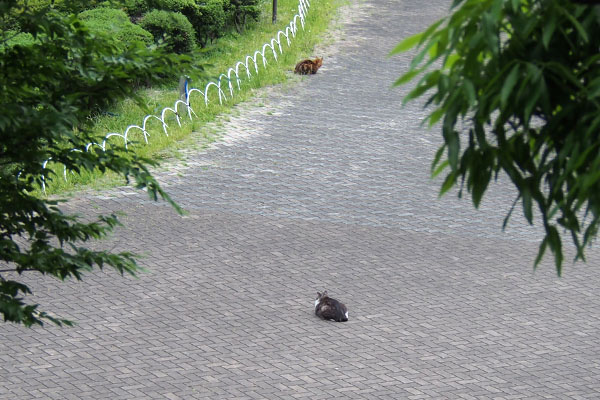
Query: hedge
point(115, 23)
point(172, 27)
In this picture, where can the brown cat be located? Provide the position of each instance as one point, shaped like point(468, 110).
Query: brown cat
point(307, 66)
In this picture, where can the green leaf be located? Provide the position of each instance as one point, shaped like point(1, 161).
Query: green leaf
point(509, 84)
point(441, 43)
point(417, 59)
point(531, 88)
point(480, 182)
point(436, 159)
point(429, 31)
point(443, 165)
point(407, 43)
point(541, 252)
point(532, 101)
point(556, 247)
point(593, 88)
point(469, 90)
point(490, 32)
point(548, 30)
point(435, 116)
point(563, 72)
point(577, 26)
point(407, 77)
point(416, 92)
point(416, 39)
point(509, 214)
point(448, 183)
point(451, 59)
point(453, 142)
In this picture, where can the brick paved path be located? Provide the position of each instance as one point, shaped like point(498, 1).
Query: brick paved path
point(325, 187)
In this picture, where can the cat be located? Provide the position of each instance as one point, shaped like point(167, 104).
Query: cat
point(328, 308)
point(307, 66)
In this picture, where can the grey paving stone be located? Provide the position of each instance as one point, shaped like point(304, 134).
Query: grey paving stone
point(326, 187)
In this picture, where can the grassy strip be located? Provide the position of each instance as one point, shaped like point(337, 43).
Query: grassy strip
point(220, 57)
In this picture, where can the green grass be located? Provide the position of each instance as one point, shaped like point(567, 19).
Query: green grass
point(218, 58)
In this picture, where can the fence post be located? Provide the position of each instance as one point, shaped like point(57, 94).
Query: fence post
point(274, 11)
point(183, 88)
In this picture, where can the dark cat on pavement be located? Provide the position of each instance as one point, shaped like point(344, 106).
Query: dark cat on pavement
point(329, 308)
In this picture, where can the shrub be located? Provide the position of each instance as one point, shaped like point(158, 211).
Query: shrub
point(189, 8)
point(136, 8)
point(173, 5)
point(212, 23)
point(240, 10)
point(9, 20)
point(173, 27)
point(32, 5)
point(70, 6)
point(17, 39)
point(108, 21)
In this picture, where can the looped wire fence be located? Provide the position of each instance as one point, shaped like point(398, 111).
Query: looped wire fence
point(225, 85)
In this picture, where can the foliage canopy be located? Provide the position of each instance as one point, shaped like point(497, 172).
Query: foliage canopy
point(49, 86)
point(523, 79)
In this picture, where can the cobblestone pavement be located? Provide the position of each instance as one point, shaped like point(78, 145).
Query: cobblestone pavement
point(325, 187)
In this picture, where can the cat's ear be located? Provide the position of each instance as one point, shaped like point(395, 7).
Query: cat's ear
point(319, 294)
point(325, 293)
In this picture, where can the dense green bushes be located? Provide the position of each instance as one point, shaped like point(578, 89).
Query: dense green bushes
point(173, 27)
point(213, 21)
point(115, 23)
point(60, 5)
point(189, 8)
point(210, 19)
point(10, 19)
point(182, 24)
point(20, 39)
point(136, 8)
